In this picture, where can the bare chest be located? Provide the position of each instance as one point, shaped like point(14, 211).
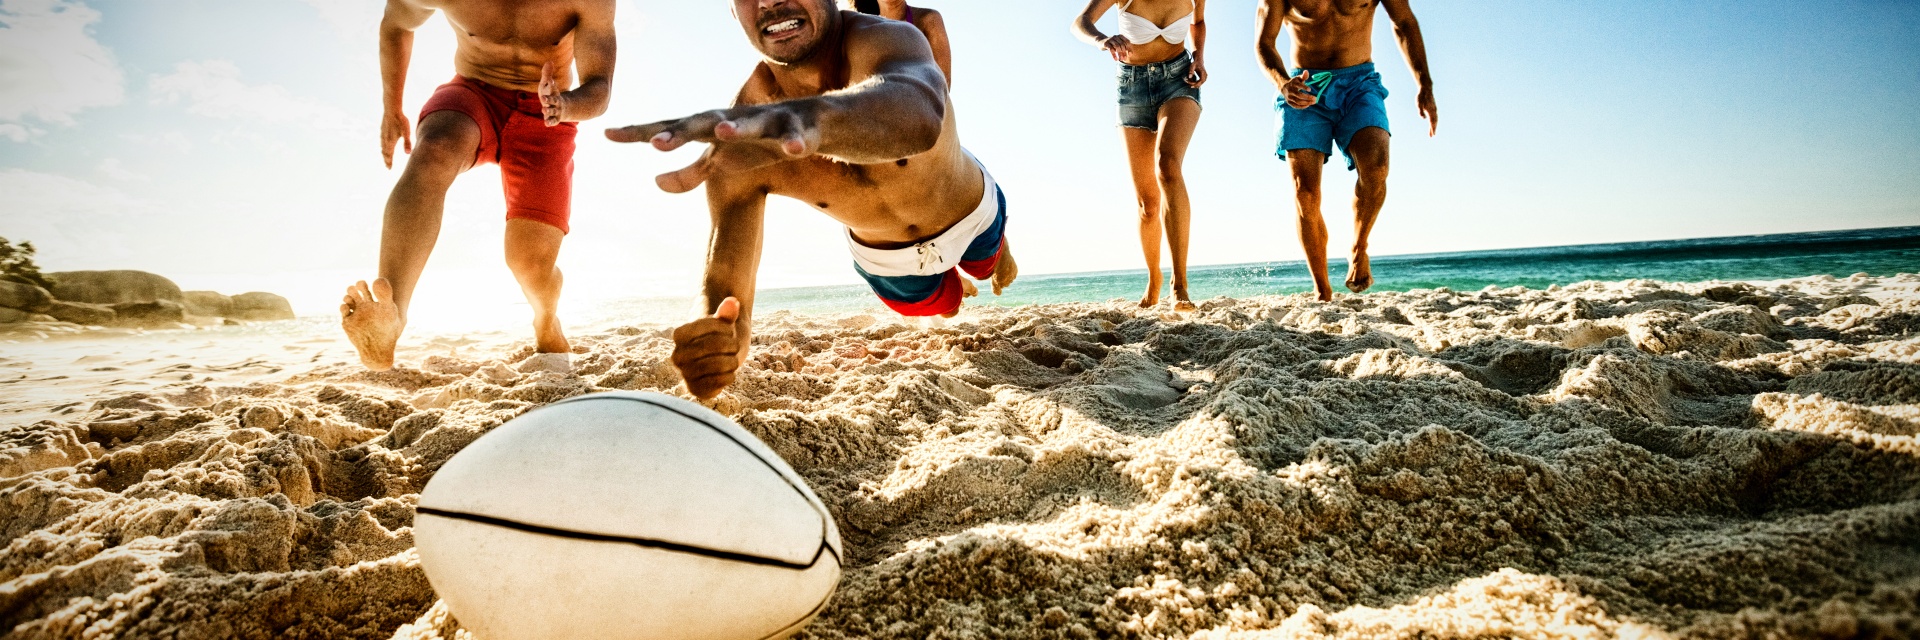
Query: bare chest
point(1324, 12)
point(516, 24)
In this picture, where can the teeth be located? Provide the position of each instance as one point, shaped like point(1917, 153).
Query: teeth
point(780, 27)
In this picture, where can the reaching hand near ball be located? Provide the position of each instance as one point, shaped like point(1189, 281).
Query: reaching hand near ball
point(709, 351)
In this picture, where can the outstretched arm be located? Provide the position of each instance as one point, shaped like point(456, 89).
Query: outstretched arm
point(894, 109)
point(396, 50)
point(710, 350)
point(593, 53)
point(1407, 29)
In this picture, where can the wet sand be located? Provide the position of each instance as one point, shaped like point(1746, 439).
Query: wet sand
point(1609, 459)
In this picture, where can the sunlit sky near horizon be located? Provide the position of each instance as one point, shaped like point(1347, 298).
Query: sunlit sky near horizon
point(232, 144)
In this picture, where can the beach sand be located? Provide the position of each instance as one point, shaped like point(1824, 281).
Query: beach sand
point(1632, 459)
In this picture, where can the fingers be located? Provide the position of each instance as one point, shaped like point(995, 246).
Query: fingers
point(707, 354)
point(782, 128)
point(386, 150)
point(636, 133)
point(686, 179)
point(406, 135)
point(729, 310)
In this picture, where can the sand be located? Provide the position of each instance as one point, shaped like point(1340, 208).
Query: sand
point(1626, 459)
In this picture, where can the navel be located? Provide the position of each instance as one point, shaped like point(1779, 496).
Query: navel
point(822, 205)
point(901, 162)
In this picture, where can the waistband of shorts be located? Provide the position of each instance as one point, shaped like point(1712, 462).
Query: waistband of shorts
point(1184, 56)
point(1364, 67)
point(527, 100)
point(884, 262)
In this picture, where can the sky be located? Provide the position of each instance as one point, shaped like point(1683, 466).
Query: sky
point(233, 144)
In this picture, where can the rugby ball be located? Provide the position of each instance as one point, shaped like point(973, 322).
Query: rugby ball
point(625, 515)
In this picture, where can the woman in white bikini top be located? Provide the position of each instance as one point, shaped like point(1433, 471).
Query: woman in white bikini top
point(1159, 106)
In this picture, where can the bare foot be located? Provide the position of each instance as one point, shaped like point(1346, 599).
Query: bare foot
point(548, 338)
point(372, 322)
point(1183, 305)
point(968, 289)
point(1005, 270)
point(1359, 272)
point(1152, 298)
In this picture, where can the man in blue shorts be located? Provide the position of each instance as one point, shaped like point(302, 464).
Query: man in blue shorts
point(1335, 97)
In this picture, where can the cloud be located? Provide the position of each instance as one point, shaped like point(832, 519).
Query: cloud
point(213, 88)
point(172, 139)
point(50, 66)
point(114, 169)
point(75, 224)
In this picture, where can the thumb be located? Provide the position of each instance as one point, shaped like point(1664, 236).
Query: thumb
point(729, 310)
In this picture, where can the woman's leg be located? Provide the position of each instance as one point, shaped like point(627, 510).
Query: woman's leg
point(1178, 117)
point(1146, 191)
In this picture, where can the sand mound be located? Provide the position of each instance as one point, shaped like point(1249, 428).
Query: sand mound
point(1609, 459)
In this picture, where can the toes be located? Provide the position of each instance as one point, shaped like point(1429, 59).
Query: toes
point(382, 290)
point(357, 293)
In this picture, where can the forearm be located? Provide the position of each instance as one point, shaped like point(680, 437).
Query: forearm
point(1415, 50)
point(589, 100)
point(1084, 29)
point(396, 50)
point(1198, 35)
point(885, 118)
point(1273, 63)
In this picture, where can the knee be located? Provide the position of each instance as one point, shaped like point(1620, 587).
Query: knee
point(439, 157)
point(527, 260)
point(1167, 168)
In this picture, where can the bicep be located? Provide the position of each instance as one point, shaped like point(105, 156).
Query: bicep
point(1272, 16)
point(406, 14)
point(593, 41)
point(1398, 11)
point(1095, 9)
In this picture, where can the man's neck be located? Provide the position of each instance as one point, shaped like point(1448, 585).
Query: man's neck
point(821, 71)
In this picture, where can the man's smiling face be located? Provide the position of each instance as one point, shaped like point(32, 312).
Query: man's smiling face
point(785, 31)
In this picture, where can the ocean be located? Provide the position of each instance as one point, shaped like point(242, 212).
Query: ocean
point(1877, 252)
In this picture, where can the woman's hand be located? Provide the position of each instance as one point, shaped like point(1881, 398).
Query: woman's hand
point(1118, 47)
point(1197, 73)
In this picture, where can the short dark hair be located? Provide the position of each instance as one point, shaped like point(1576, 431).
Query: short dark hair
point(867, 6)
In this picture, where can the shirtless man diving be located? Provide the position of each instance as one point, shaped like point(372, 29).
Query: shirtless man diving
point(507, 106)
point(848, 113)
point(1335, 96)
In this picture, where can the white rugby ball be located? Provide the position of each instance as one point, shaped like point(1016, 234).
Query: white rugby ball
point(625, 515)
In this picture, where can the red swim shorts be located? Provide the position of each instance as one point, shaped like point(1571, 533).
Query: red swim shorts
point(536, 161)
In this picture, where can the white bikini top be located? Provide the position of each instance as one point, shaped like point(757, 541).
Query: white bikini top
point(1140, 30)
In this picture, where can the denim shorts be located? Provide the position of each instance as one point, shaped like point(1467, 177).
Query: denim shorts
point(1144, 87)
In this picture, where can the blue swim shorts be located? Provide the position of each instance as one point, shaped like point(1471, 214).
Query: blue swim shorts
point(1351, 99)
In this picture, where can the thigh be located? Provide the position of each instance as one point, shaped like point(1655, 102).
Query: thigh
point(1178, 118)
point(448, 140)
point(1368, 149)
point(1310, 128)
point(1140, 159)
point(536, 170)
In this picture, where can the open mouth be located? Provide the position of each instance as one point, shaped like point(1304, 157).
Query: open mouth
point(783, 29)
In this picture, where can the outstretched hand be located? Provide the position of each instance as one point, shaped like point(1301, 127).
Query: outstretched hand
point(1118, 47)
point(707, 350)
point(743, 138)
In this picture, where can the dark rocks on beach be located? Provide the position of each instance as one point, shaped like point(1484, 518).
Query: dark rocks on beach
point(80, 312)
point(113, 287)
point(157, 313)
point(25, 297)
point(9, 315)
point(259, 305)
point(207, 303)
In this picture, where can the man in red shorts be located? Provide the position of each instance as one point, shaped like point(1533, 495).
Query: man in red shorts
point(506, 107)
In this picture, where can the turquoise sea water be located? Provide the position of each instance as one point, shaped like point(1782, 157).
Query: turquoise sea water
point(1877, 252)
